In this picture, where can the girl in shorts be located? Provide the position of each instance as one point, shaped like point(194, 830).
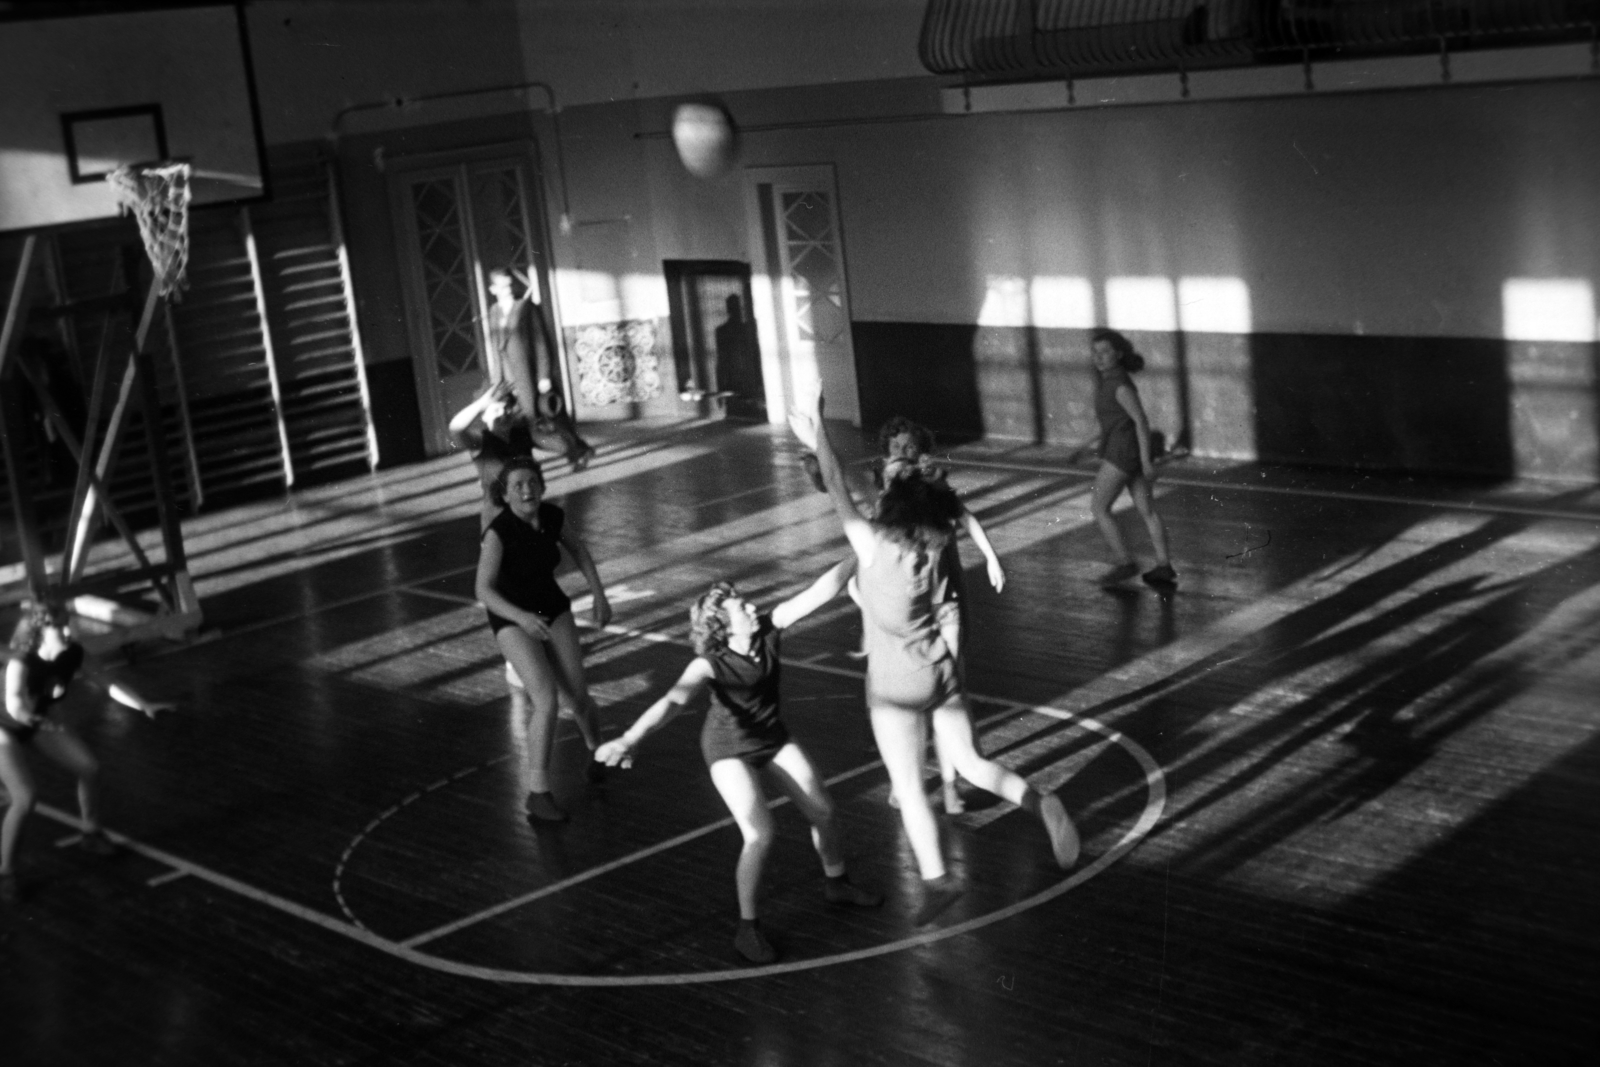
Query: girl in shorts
point(744, 738)
point(43, 664)
point(1125, 459)
point(531, 618)
point(912, 675)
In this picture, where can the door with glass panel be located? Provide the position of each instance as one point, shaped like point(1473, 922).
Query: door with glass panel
point(802, 298)
point(455, 224)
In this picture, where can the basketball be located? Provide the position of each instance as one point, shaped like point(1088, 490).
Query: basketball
point(705, 138)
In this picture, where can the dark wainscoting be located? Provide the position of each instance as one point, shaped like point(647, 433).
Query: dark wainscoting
point(924, 371)
point(395, 415)
point(1473, 407)
point(1417, 404)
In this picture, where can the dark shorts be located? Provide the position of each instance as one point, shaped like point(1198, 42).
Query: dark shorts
point(1121, 449)
point(500, 622)
point(730, 742)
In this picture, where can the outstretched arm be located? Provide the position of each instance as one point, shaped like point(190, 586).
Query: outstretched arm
point(694, 678)
point(997, 573)
point(591, 574)
point(824, 589)
point(813, 433)
point(463, 426)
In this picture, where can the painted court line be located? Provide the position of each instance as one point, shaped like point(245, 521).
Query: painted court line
point(607, 868)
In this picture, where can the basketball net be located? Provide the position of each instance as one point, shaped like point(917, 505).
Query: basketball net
point(159, 200)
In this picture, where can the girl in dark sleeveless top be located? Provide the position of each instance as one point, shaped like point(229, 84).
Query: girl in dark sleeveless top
point(531, 618)
point(912, 680)
point(743, 737)
point(1125, 461)
point(44, 662)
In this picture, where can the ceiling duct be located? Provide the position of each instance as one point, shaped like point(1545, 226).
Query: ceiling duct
point(1015, 40)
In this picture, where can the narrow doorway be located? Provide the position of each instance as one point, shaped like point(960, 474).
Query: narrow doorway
point(714, 340)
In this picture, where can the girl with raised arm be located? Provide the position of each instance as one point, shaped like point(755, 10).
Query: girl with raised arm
point(44, 662)
point(912, 676)
point(531, 617)
point(743, 738)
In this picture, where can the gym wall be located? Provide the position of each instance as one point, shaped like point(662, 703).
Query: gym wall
point(1398, 280)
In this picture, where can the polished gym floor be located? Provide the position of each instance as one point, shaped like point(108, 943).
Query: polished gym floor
point(1337, 790)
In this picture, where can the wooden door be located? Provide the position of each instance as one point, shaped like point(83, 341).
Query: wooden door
point(806, 309)
point(456, 223)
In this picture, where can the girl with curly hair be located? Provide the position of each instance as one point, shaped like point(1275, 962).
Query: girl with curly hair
point(531, 618)
point(912, 675)
point(44, 660)
point(744, 738)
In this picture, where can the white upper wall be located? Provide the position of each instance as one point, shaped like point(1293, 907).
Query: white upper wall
point(595, 51)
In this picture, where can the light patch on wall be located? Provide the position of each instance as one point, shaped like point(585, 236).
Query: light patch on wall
point(1005, 302)
point(644, 296)
point(1062, 303)
point(1548, 309)
point(1214, 305)
point(1147, 303)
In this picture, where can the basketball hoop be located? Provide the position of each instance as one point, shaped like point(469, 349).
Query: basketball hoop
point(159, 200)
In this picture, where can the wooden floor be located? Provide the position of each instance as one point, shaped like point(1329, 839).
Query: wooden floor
point(1340, 792)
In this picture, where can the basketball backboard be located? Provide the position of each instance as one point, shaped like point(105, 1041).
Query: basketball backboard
point(83, 94)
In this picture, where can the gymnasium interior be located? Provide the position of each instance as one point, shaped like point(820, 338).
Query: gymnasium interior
point(1335, 787)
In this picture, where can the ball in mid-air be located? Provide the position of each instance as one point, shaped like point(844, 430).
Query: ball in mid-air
point(705, 138)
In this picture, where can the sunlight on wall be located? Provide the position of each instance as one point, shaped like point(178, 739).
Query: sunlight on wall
point(1548, 309)
point(1005, 302)
point(589, 297)
point(1062, 303)
point(1213, 305)
point(1048, 301)
point(1141, 304)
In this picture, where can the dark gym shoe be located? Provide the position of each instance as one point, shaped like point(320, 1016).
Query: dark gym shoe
point(96, 843)
point(542, 807)
point(1063, 835)
point(1120, 573)
point(581, 460)
point(10, 889)
point(843, 892)
point(937, 895)
point(1161, 575)
point(752, 945)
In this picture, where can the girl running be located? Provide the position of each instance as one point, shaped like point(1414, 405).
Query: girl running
point(912, 675)
point(531, 618)
point(744, 738)
point(44, 661)
point(1125, 460)
point(908, 447)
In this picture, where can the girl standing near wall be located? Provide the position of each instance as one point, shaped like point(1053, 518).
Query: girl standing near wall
point(912, 675)
point(1125, 458)
point(737, 660)
point(44, 661)
point(531, 618)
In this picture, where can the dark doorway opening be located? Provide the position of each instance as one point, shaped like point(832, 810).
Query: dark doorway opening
point(714, 342)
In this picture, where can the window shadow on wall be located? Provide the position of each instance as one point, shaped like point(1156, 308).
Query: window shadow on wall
point(1414, 404)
